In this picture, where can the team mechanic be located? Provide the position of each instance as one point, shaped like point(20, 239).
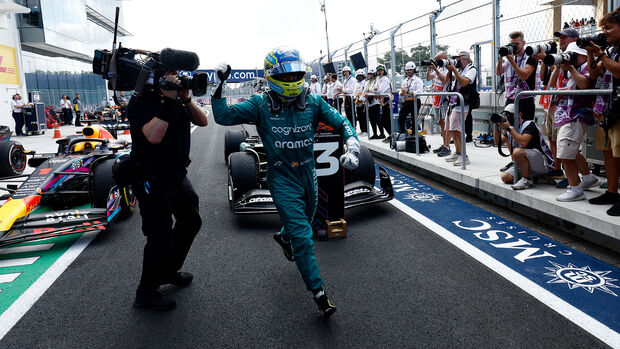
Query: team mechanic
point(287, 119)
point(160, 131)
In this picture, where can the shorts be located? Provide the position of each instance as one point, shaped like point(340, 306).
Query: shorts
point(570, 137)
point(613, 139)
point(538, 163)
point(454, 120)
point(547, 127)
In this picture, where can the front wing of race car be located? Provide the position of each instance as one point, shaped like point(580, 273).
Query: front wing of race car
point(360, 193)
point(44, 225)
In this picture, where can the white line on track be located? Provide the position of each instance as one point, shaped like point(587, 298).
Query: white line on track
point(8, 278)
point(581, 319)
point(11, 316)
point(15, 262)
point(23, 249)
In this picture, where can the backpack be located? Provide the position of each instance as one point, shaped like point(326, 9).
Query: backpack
point(410, 144)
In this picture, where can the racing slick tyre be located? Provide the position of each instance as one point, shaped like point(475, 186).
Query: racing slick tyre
point(102, 183)
point(12, 159)
point(243, 174)
point(128, 202)
point(232, 140)
point(365, 171)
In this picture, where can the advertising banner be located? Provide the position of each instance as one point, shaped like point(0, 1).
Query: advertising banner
point(8, 66)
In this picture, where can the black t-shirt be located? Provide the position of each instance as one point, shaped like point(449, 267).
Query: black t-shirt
point(171, 156)
point(534, 143)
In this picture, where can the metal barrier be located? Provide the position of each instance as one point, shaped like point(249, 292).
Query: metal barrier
point(588, 92)
point(461, 105)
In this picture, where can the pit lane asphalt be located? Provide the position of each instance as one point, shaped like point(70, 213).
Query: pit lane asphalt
point(396, 284)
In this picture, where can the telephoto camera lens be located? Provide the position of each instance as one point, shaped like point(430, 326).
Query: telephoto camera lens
point(496, 118)
point(599, 40)
point(427, 62)
point(507, 50)
point(548, 48)
point(446, 62)
point(557, 59)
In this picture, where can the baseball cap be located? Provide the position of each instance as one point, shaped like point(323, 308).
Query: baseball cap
point(461, 54)
point(510, 108)
point(567, 32)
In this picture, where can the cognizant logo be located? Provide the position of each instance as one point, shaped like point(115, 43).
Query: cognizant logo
point(293, 144)
point(286, 130)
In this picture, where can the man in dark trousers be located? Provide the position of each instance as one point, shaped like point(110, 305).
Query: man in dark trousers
point(160, 130)
point(77, 107)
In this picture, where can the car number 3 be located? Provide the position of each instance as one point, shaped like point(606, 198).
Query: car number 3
point(326, 151)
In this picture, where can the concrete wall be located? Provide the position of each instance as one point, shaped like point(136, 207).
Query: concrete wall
point(9, 36)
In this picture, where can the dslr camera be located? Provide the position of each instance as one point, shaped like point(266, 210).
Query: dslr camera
point(503, 117)
point(446, 62)
point(557, 59)
point(548, 48)
point(599, 40)
point(506, 50)
point(427, 62)
point(125, 71)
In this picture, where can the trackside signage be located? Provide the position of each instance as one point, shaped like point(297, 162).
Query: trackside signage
point(580, 280)
point(236, 75)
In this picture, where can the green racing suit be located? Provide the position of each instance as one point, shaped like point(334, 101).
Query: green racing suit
point(288, 138)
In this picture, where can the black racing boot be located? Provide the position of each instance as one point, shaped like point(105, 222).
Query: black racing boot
point(286, 246)
point(181, 279)
point(154, 301)
point(326, 308)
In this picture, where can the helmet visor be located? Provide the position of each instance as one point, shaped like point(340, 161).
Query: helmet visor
point(287, 67)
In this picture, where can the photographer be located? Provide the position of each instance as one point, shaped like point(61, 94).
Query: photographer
point(463, 79)
point(607, 74)
point(408, 90)
point(573, 115)
point(439, 76)
point(160, 121)
point(529, 156)
point(519, 75)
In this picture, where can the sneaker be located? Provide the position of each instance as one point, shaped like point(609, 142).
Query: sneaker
point(572, 194)
point(286, 246)
point(589, 181)
point(326, 307)
point(556, 174)
point(459, 161)
point(181, 279)
point(445, 152)
point(523, 183)
point(440, 149)
point(452, 157)
point(507, 167)
point(154, 301)
point(615, 209)
point(607, 198)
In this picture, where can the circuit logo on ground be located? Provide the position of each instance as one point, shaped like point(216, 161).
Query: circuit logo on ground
point(286, 130)
point(583, 277)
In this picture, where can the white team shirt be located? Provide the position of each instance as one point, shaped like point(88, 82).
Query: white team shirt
point(315, 88)
point(15, 104)
point(412, 86)
point(349, 85)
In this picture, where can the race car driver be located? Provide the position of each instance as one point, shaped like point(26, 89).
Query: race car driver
point(287, 118)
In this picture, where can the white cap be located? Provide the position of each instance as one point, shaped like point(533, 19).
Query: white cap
point(346, 68)
point(372, 71)
point(409, 65)
point(572, 47)
point(360, 72)
point(313, 77)
point(510, 108)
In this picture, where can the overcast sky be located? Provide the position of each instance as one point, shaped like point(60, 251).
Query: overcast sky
point(241, 32)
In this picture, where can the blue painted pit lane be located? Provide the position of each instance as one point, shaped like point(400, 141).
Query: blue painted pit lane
point(580, 287)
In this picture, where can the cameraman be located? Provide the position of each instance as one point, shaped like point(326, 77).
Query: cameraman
point(529, 156)
point(607, 70)
point(160, 130)
point(519, 75)
point(439, 76)
point(573, 115)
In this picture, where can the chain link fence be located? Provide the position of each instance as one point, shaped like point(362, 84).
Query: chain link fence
point(469, 25)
